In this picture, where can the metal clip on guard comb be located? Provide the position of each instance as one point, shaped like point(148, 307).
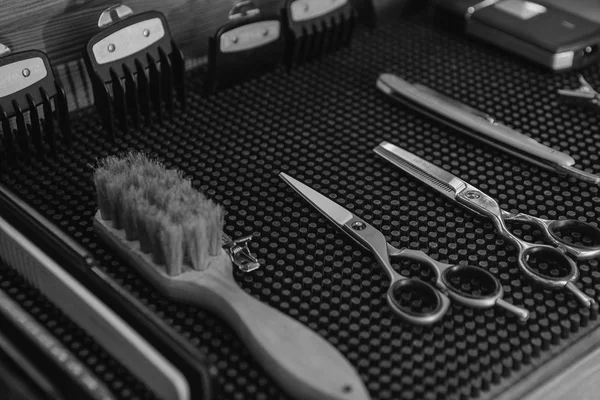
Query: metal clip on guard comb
point(317, 27)
point(134, 67)
point(31, 98)
point(247, 46)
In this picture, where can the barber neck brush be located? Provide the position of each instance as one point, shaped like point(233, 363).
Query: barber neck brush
point(171, 234)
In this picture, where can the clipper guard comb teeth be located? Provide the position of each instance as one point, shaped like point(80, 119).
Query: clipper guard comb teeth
point(247, 46)
point(31, 100)
point(135, 68)
point(316, 27)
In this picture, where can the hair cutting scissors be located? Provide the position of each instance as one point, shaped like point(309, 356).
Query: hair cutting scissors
point(482, 204)
point(467, 285)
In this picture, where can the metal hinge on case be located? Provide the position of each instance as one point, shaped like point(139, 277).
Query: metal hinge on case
point(118, 11)
point(242, 9)
point(240, 253)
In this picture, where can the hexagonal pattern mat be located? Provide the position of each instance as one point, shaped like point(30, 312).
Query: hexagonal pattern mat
point(319, 124)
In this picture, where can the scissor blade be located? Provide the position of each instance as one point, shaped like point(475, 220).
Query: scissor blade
point(334, 212)
point(437, 178)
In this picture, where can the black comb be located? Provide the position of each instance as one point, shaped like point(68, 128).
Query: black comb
point(31, 100)
point(135, 68)
point(249, 45)
point(316, 27)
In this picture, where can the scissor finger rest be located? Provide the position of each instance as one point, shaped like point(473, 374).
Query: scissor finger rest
point(416, 301)
point(548, 265)
point(477, 288)
point(471, 286)
point(579, 239)
point(551, 268)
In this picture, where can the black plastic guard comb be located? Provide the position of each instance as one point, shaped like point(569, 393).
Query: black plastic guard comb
point(31, 101)
point(317, 27)
point(135, 68)
point(247, 46)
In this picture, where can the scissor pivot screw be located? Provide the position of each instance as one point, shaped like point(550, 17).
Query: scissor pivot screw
point(472, 195)
point(359, 225)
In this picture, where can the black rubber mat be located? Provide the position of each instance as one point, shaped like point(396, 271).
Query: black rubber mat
point(319, 124)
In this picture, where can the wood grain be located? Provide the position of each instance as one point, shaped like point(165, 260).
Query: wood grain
point(61, 28)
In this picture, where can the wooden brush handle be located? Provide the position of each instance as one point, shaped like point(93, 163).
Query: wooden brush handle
point(304, 364)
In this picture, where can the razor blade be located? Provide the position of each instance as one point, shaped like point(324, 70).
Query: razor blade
point(135, 67)
point(32, 101)
point(317, 27)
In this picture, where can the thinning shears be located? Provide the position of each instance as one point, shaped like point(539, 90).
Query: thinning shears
point(480, 203)
point(468, 285)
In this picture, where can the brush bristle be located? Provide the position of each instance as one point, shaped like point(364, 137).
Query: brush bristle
point(159, 207)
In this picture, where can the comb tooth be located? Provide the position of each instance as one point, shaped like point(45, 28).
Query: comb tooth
point(313, 43)
point(48, 123)
point(132, 96)
point(338, 32)
point(306, 44)
point(328, 40)
point(8, 136)
point(347, 29)
point(333, 34)
point(155, 86)
point(62, 111)
point(304, 49)
point(143, 89)
point(119, 99)
point(166, 73)
point(319, 31)
point(335, 29)
point(22, 138)
point(178, 67)
point(102, 100)
point(291, 53)
point(36, 131)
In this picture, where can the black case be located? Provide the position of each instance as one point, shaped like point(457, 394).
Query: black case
point(540, 38)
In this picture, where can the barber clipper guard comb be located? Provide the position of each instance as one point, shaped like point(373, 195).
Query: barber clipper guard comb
point(317, 27)
point(248, 45)
point(32, 103)
point(135, 68)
